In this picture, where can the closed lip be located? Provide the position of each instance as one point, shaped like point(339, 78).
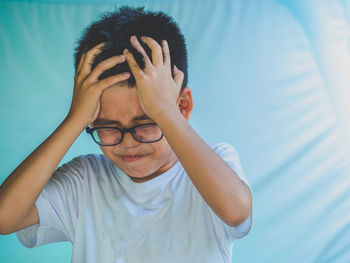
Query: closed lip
point(131, 158)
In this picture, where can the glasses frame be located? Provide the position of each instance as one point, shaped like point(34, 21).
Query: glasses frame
point(122, 131)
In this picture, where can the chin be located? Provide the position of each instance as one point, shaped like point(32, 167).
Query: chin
point(139, 168)
point(137, 171)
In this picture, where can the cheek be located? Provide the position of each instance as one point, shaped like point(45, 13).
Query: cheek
point(108, 151)
point(164, 145)
point(164, 150)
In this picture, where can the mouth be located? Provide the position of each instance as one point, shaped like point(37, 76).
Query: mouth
point(131, 158)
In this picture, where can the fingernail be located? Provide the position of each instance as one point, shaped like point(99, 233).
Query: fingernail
point(133, 38)
point(143, 38)
point(126, 75)
point(126, 51)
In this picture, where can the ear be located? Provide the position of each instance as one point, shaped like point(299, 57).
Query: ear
point(185, 102)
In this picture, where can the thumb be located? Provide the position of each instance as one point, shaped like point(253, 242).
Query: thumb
point(178, 76)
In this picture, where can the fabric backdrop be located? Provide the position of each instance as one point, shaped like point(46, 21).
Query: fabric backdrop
point(270, 77)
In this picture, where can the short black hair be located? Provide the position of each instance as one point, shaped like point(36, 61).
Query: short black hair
point(116, 27)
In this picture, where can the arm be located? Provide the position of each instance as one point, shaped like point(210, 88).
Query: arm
point(21, 189)
point(218, 184)
point(23, 186)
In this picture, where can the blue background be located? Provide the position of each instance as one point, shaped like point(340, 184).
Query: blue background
point(270, 77)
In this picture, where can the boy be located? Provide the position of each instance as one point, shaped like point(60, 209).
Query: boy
point(158, 193)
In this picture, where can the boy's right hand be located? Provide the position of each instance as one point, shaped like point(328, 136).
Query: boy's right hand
point(22, 188)
point(88, 88)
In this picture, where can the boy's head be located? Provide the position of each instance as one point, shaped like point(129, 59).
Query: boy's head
point(119, 104)
point(116, 28)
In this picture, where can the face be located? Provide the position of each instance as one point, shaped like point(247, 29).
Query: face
point(141, 161)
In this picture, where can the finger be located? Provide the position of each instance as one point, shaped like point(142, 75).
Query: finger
point(90, 56)
point(77, 72)
point(157, 56)
point(166, 54)
point(81, 62)
point(136, 44)
point(178, 77)
point(108, 82)
point(103, 66)
point(134, 67)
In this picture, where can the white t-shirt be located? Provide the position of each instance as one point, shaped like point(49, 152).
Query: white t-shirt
point(109, 218)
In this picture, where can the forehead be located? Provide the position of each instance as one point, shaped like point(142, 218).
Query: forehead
point(121, 103)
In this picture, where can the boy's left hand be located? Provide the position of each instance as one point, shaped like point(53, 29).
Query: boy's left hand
point(157, 90)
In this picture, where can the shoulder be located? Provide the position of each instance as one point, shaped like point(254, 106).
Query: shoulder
point(83, 164)
point(230, 155)
point(78, 170)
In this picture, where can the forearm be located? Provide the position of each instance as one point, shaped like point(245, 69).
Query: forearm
point(159, 92)
point(22, 187)
point(218, 184)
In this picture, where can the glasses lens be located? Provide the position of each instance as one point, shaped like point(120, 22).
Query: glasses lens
point(107, 136)
point(147, 133)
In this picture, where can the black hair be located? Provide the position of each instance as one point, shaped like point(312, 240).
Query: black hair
point(115, 28)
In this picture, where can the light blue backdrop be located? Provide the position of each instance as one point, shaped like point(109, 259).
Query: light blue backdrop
point(270, 77)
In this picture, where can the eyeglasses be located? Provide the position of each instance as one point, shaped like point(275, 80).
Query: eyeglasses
point(109, 136)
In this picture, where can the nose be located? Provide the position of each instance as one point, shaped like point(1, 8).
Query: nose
point(129, 141)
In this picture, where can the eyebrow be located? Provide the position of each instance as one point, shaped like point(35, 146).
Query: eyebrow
point(108, 121)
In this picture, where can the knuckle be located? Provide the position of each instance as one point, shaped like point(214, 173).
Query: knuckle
point(166, 56)
point(101, 66)
point(110, 80)
point(90, 53)
point(93, 90)
point(92, 50)
point(107, 82)
point(153, 73)
point(157, 48)
point(86, 82)
point(78, 80)
point(97, 90)
point(135, 65)
point(144, 55)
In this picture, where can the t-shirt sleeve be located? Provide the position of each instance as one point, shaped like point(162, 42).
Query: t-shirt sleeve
point(229, 154)
point(58, 207)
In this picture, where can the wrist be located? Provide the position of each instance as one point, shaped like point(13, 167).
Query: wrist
point(169, 113)
point(75, 123)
